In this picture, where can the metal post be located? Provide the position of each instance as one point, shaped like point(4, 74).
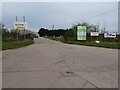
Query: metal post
point(24, 34)
point(17, 34)
point(16, 29)
point(52, 27)
point(16, 18)
point(24, 28)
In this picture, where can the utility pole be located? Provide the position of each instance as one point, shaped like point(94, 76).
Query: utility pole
point(23, 18)
point(16, 18)
point(104, 26)
point(16, 30)
point(105, 30)
point(24, 28)
point(53, 27)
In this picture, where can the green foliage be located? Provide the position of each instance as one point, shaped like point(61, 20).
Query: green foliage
point(92, 43)
point(9, 40)
point(15, 44)
point(13, 36)
point(5, 34)
point(114, 45)
point(69, 35)
point(46, 32)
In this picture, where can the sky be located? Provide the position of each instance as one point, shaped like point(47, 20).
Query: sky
point(61, 14)
point(59, 0)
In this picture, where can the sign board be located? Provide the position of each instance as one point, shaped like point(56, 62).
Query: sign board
point(94, 34)
point(110, 35)
point(81, 32)
point(20, 25)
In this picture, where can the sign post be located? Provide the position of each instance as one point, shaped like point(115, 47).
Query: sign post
point(20, 26)
point(94, 34)
point(81, 32)
point(110, 35)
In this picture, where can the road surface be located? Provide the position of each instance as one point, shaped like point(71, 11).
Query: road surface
point(52, 64)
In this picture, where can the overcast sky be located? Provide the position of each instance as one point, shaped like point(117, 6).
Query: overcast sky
point(61, 14)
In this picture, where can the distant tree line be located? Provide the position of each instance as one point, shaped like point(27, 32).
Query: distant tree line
point(68, 34)
point(47, 32)
point(71, 33)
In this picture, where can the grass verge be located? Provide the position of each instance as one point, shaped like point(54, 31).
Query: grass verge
point(113, 45)
point(15, 44)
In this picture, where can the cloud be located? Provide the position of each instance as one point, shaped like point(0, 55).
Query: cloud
point(61, 14)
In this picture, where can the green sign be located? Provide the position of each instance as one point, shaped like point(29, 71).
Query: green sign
point(81, 32)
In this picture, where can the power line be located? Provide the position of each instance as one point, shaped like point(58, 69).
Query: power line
point(104, 13)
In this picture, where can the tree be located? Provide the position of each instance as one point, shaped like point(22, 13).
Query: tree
point(90, 27)
point(43, 32)
point(5, 34)
point(46, 32)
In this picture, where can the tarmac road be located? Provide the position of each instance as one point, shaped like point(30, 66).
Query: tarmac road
point(52, 64)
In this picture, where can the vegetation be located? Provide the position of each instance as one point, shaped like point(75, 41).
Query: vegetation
point(46, 32)
point(70, 36)
point(113, 45)
point(10, 40)
point(15, 44)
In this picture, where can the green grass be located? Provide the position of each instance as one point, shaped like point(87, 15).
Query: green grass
point(15, 44)
point(113, 45)
point(101, 44)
